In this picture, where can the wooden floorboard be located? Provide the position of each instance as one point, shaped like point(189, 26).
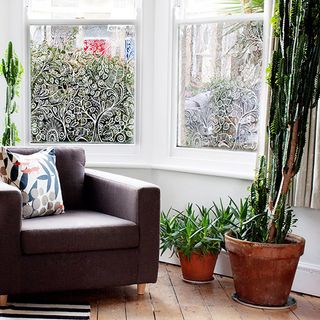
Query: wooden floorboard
point(305, 309)
point(114, 306)
point(138, 307)
point(94, 310)
point(173, 299)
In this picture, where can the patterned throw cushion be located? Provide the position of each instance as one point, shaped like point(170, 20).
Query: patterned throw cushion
point(37, 177)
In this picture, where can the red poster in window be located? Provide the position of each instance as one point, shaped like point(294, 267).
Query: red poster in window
point(101, 46)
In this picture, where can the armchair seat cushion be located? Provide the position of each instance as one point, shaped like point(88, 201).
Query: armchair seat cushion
point(77, 231)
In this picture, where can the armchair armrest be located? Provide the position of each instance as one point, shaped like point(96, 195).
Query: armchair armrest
point(10, 226)
point(133, 200)
point(119, 195)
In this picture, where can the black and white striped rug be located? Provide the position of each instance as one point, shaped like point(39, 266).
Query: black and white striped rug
point(44, 311)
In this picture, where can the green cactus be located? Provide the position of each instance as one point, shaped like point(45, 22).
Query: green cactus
point(12, 71)
point(295, 89)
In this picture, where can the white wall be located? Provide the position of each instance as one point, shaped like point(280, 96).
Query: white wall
point(308, 226)
point(177, 189)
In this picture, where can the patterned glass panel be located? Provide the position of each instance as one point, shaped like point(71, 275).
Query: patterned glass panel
point(220, 78)
point(82, 84)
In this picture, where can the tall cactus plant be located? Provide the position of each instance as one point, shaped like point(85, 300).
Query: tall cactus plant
point(12, 71)
point(295, 89)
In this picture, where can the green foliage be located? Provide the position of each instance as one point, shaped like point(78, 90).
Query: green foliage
point(251, 216)
point(190, 231)
point(285, 220)
point(275, 20)
point(12, 70)
point(253, 5)
point(226, 220)
point(294, 74)
point(294, 82)
point(258, 198)
point(240, 6)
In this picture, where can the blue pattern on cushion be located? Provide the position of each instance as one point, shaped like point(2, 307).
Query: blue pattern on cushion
point(37, 178)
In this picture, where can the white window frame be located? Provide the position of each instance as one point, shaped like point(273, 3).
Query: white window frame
point(155, 113)
point(104, 154)
point(205, 160)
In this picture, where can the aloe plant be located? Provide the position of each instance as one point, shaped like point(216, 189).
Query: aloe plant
point(12, 71)
point(252, 213)
point(295, 89)
point(190, 231)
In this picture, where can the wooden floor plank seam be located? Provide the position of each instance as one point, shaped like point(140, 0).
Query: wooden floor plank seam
point(152, 306)
point(205, 303)
point(175, 293)
point(228, 294)
point(125, 308)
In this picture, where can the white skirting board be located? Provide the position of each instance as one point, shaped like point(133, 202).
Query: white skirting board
point(307, 279)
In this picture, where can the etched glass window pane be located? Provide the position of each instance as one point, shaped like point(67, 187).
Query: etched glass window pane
point(82, 9)
point(82, 83)
point(220, 78)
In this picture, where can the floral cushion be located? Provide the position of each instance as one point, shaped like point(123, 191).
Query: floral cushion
point(37, 177)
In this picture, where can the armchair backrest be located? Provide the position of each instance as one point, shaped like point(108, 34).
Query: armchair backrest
point(70, 163)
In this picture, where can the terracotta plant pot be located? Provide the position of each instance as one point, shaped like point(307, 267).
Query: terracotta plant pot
point(198, 267)
point(262, 272)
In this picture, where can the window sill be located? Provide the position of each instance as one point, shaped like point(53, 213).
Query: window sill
point(119, 165)
point(243, 175)
point(219, 163)
point(206, 171)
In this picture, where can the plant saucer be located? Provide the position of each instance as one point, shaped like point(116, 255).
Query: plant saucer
point(197, 282)
point(290, 303)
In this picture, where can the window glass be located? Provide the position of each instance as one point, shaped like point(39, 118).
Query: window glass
point(220, 79)
point(210, 8)
point(81, 9)
point(82, 83)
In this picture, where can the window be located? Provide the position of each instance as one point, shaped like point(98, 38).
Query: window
point(220, 58)
point(117, 76)
point(82, 71)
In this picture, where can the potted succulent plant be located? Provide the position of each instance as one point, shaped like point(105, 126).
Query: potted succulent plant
point(12, 71)
point(196, 238)
point(263, 254)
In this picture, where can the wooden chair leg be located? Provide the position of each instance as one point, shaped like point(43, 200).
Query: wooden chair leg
point(141, 288)
point(3, 300)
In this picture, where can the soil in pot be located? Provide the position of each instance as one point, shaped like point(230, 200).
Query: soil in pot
point(263, 273)
point(198, 267)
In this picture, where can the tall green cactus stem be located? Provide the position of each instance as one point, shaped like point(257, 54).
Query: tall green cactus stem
point(295, 87)
point(12, 71)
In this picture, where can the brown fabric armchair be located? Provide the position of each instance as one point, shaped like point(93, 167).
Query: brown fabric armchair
point(108, 235)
